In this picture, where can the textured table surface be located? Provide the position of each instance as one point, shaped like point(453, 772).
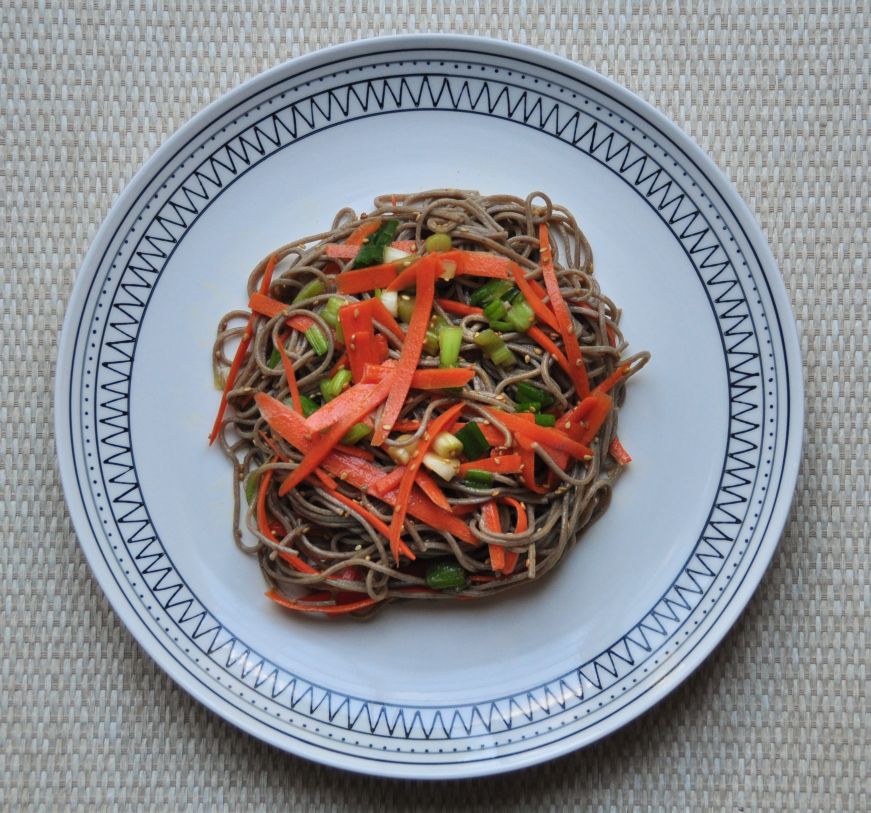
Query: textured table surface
point(776, 719)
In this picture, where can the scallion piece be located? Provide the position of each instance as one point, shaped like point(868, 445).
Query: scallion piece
point(431, 338)
point(356, 433)
point(274, 358)
point(447, 445)
point(331, 387)
point(527, 392)
point(495, 348)
point(503, 357)
point(475, 445)
point(450, 339)
point(543, 419)
point(311, 289)
point(372, 250)
point(437, 242)
point(445, 575)
point(251, 487)
point(309, 405)
point(511, 294)
point(478, 478)
point(495, 289)
point(495, 310)
point(330, 313)
point(520, 315)
point(405, 307)
point(317, 340)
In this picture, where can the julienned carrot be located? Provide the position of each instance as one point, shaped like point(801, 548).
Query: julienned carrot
point(458, 308)
point(263, 523)
point(511, 556)
point(361, 280)
point(388, 482)
point(611, 380)
point(385, 318)
point(359, 235)
point(541, 310)
point(596, 416)
point(478, 263)
point(436, 378)
point(326, 443)
point(269, 307)
point(358, 473)
point(619, 454)
point(345, 251)
point(292, 386)
point(353, 400)
point(527, 455)
point(520, 424)
point(411, 469)
point(563, 317)
point(542, 339)
point(301, 606)
point(490, 520)
point(499, 463)
point(241, 351)
point(356, 321)
point(408, 357)
point(431, 488)
point(406, 426)
point(355, 451)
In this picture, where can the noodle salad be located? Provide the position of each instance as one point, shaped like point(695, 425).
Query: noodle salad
point(421, 403)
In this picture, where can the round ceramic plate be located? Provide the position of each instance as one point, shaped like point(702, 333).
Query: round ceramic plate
point(713, 422)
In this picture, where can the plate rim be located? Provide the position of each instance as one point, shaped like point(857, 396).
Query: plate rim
point(793, 435)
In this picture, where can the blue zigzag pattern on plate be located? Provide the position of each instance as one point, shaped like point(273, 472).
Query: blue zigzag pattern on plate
point(413, 92)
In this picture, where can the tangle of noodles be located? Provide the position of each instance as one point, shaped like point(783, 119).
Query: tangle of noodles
point(315, 552)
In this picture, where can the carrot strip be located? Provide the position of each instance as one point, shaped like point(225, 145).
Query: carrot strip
point(596, 416)
point(499, 463)
point(388, 482)
point(339, 365)
point(385, 318)
point(511, 556)
point(291, 377)
point(561, 310)
point(490, 520)
point(328, 609)
point(431, 488)
point(619, 454)
point(478, 263)
point(542, 339)
point(241, 351)
point(612, 379)
point(360, 280)
point(458, 308)
point(541, 310)
point(355, 451)
point(359, 235)
point(406, 426)
point(527, 454)
point(437, 378)
point(269, 307)
point(524, 424)
point(263, 524)
point(408, 358)
point(346, 251)
point(411, 469)
point(353, 400)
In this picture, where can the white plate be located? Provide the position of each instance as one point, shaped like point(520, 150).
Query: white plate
point(714, 422)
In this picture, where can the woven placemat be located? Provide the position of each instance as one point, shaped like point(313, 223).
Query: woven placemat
point(776, 719)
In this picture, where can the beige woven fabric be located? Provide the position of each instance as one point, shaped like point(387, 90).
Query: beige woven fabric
point(776, 719)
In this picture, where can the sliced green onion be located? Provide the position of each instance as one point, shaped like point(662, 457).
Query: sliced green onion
point(495, 348)
point(489, 291)
point(402, 454)
point(511, 294)
point(390, 300)
point(309, 405)
point(528, 406)
point(311, 289)
point(502, 327)
point(445, 575)
point(475, 445)
point(405, 308)
point(372, 250)
point(446, 468)
point(495, 310)
point(450, 339)
point(431, 338)
point(530, 393)
point(317, 340)
point(274, 358)
point(218, 380)
point(356, 433)
point(521, 315)
point(251, 486)
point(447, 445)
point(544, 419)
point(394, 255)
point(330, 313)
point(332, 387)
point(478, 478)
point(438, 242)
